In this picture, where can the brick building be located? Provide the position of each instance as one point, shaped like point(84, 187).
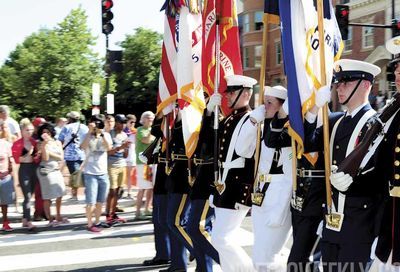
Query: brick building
point(364, 43)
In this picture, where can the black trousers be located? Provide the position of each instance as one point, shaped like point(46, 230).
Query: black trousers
point(304, 240)
point(350, 257)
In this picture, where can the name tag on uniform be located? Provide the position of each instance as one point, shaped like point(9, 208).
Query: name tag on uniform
point(334, 221)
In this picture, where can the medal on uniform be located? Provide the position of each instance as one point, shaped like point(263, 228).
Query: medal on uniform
point(334, 221)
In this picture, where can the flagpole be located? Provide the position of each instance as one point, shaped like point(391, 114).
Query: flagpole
point(261, 92)
point(320, 9)
point(216, 86)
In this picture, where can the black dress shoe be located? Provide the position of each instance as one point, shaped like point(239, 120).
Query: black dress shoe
point(155, 261)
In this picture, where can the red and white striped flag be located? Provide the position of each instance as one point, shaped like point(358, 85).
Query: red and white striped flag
point(167, 92)
point(230, 60)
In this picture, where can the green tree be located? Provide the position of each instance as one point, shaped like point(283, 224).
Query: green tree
point(52, 71)
point(137, 85)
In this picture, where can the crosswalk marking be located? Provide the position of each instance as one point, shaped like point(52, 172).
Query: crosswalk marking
point(69, 235)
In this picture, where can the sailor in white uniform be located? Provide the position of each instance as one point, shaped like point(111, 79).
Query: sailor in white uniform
point(272, 188)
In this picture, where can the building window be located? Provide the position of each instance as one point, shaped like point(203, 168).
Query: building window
point(257, 55)
point(278, 53)
point(258, 20)
point(276, 81)
point(246, 23)
point(246, 58)
point(367, 37)
point(348, 43)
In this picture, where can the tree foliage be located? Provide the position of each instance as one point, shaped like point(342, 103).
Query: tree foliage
point(52, 71)
point(137, 85)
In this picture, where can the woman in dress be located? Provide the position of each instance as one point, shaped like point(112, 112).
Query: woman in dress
point(50, 177)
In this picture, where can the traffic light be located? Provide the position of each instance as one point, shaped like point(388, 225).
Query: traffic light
point(395, 28)
point(114, 59)
point(106, 16)
point(342, 17)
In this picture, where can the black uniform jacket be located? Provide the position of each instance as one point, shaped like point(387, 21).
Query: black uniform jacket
point(363, 197)
point(311, 189)
point(387, 163)
point(239, 181)
point(177, 181)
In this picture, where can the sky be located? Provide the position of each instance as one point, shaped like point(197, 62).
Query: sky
point(21, 18)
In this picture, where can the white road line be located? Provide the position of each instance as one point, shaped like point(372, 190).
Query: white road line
point(72, 257)
point(69, 235)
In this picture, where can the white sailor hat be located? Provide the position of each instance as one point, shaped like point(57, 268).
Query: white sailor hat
point(349, 70)
point(237, 82)
point(276, 91)
point(393, 46)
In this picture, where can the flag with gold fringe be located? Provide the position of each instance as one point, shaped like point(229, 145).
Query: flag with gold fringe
point(300, 43)
point(229, 57)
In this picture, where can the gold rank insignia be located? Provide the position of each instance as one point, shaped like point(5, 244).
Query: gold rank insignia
point(334, 221)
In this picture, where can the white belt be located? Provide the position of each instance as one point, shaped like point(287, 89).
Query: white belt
point(238, 163)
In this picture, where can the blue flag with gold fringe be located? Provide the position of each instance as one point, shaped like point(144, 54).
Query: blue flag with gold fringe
point(301, 59)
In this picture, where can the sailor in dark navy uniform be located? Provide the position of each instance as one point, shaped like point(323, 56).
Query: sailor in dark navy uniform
point(388, 166)
point(350, 230)
point(234, 186)
point(201, 215)
point(272, 190)
point(307, 201)
point(178, 200)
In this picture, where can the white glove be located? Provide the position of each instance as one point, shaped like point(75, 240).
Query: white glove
point(323, 96)
point(258, 114)
point(340, 181)
point(215, 100)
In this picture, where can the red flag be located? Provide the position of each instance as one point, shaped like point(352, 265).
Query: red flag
point(230, 60)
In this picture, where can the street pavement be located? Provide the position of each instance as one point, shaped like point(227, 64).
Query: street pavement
point(70, 247)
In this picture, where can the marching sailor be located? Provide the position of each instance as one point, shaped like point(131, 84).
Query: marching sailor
point(232, 198)
point(349, 231)
point(272, 188)
point(388, 165)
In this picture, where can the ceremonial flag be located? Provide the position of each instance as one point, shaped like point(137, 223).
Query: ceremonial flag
point(167, 90)
point(190, 92)
point(230, 60)
point(300, 43)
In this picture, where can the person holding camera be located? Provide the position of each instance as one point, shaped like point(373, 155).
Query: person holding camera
point(50, 177)
point(96, 144)
point(71, 136)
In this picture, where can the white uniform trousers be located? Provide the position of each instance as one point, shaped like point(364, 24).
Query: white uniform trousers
point(232, 256)
point(268, 238)
point(378, 266)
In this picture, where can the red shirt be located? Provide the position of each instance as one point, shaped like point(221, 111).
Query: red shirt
point(18, 146)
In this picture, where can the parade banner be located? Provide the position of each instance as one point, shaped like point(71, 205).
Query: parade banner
point(167, 90)
point(230, 59)
point(300, 43)
point(190, 92)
